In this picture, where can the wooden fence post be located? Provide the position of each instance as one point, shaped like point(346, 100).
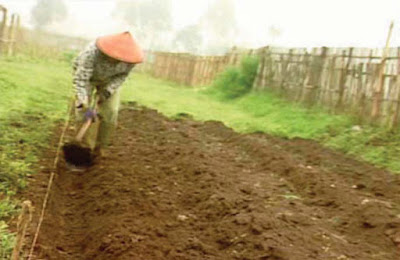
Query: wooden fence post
point(203, 68)
point(3, 28)
point(331, 84)
point(175, 67)
point(305, 64)
point(178, 67)
point(269, 72)
point(317, 65)
point(11, 34)
point(343, 77)
point(232, 56)
point(362, 112)
point(23, 222)
point(185, 69)
point(358, 87)
point(221, 64)
point(158, 62)
point(180, 63)
point(395, 116)
point(194, 76)
point(206, 70)
point(155, 69)
point(170, 68)
point(168, 63)
point(394, 120)
point(260, 70)
point(18, 28)
point(381, 78)
point(285, 68)
point(215, 66)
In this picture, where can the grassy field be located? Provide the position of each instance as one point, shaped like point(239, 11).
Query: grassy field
point(34, 95)
point(33, 99)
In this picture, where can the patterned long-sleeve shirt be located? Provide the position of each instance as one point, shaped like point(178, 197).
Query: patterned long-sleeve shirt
point(92, 69)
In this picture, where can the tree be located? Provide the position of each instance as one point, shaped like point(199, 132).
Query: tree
point(46, 12)
point(189, 38)
point(151, 19)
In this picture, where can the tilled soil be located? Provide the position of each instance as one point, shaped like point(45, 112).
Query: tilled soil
point(179, 189)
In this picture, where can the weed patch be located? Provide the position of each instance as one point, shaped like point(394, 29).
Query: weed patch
point(236, 81)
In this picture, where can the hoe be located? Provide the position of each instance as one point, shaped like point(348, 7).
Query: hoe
point(75, 152)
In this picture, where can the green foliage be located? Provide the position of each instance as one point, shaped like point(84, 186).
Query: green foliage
point(235, 82)
point(6, 241)
point(228, 83)
point(249, 66)
point(7, 209)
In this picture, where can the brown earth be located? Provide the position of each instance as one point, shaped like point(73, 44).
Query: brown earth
point(179, 189)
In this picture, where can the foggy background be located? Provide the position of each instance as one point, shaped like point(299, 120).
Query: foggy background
point(213, 26)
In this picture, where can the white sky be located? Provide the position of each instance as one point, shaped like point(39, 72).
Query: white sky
point(304, 23)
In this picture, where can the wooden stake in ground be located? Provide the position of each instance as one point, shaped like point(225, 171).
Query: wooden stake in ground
point(381, 78)
point(23, 222)
point(396, 113)
point(11, 34)
point(343, 77)
point(3, 27)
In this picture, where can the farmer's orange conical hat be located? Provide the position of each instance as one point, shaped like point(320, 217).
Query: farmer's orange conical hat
point(121, 47)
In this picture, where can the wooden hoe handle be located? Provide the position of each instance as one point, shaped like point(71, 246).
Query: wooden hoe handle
point(83, 130)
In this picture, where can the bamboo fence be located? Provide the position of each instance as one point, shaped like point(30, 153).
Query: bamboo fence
point(191, 70)
point(354, 80)
point(361, 81)
point(8, 31)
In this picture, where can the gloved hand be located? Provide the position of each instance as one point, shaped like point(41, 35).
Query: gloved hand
point(90, 114)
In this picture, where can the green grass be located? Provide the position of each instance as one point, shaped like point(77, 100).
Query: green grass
point(266, 112)
point(250, 113)
point(372, 144)
point(33, 99)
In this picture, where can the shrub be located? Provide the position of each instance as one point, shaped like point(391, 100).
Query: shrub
point(248, 68)
point(235, 82)
point(228, 83)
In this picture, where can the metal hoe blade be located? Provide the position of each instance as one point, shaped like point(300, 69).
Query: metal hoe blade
point(77, 155)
